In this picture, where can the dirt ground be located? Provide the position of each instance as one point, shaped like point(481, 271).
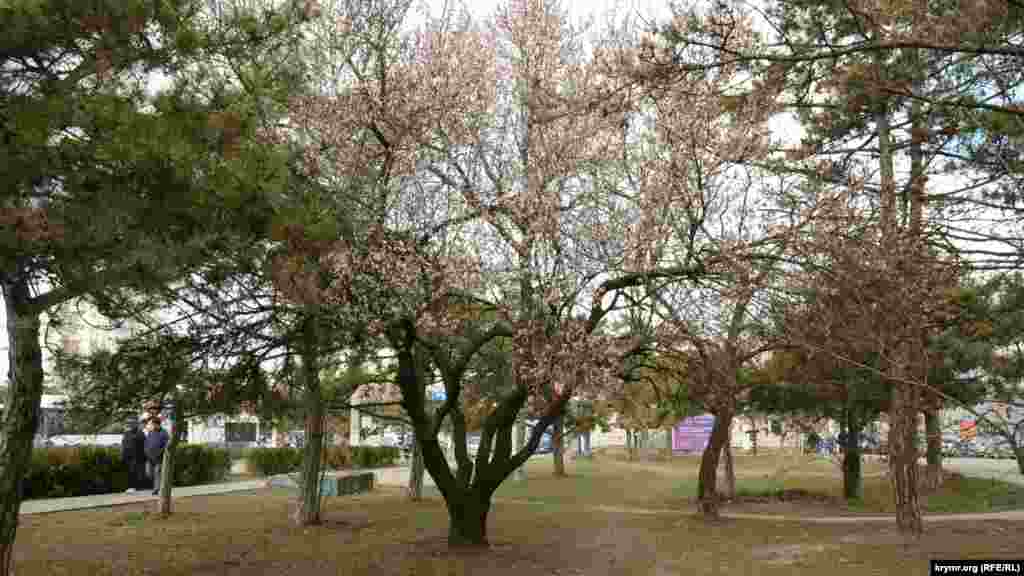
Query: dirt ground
point(605, 518)
point(796, 505)
point(380, 534)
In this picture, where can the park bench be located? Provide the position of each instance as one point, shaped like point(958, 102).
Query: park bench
point(330, 485)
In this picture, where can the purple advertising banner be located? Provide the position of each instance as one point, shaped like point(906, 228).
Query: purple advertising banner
point(692, 434)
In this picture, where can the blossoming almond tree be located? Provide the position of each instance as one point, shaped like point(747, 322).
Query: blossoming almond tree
point(521, 174)
point(709, 130)
point(498, 203)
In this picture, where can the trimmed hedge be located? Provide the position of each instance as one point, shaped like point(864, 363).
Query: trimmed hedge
point(369, 456)
point(273, 461)
point(87, 470)
point(198, 464)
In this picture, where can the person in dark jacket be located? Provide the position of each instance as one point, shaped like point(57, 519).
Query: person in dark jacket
point(156, 442)
point(133, 447)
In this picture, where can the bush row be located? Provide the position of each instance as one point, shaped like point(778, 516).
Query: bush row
point(86, 470)
point(271, 461)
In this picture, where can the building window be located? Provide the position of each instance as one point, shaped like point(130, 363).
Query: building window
point(240, 432)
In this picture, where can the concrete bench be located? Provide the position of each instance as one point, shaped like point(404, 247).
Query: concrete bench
point(347, 485)
point(332, 485)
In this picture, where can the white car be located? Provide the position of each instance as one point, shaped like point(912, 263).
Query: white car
point(389, 439)
point(84, 440)
point(472, 444)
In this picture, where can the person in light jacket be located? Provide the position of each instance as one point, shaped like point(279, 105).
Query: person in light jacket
point(156, 442)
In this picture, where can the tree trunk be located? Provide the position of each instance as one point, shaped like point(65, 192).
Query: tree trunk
point(933, 454)
point(520, 441)
point(467, 491)
point(903, 459)
point(668, 442)
point(707, 492)
point(852, 478)
point(416, 473)
point(167, 464)
point(557, 447)
point(730, 472)
point(902, 409)
point(467, 515)
point(908, 509)
point(308, 506)
point(307, 511)
point(21, 413)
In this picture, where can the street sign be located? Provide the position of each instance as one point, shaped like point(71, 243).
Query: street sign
point(438, 395)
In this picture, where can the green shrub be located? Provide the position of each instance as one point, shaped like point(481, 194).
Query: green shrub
point(75, 471)
point(811, 445)
point(374, 456)
point(198, 464)
point(389, 455)
point(101, 471)
point(338, 457)
point(38, 482)
point(362, 456)
point(272, 461)
point(86, 470)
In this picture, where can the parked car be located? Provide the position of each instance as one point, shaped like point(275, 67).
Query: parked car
point(84, 440)
point(405, 440)
point(545, 440)
point(993, 447)
point(967, 450)
point(472, 443)
point(871, 444)
point(950, 448)
point(390, 438)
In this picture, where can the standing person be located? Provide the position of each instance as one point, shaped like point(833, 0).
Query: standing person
point(156, 442)
point(133, 452)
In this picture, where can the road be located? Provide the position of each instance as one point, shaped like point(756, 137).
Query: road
point(1003, 469)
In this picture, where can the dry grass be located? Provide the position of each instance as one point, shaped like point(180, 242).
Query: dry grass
point(673, 484)
point(380, 534)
